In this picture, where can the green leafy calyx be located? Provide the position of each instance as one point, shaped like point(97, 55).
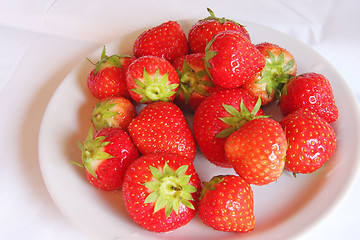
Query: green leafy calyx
point(102, 114)
point(191, 81)
point(93, 152)
point(238, 118)
point(275, 75)
point(115, 60)
point(169, 189)
point(155, 87)
point(209, 54)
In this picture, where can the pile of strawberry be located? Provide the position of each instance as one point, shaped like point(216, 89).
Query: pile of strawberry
point(217, 73)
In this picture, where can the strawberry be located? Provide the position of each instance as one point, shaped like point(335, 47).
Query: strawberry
point(151, 78)
point(108, 77)
point(161, 191)
point(280, 66)
point(219, 115)
point(231, 59)
point(113, 112)
point(203, 31)
point(227, 204)
point(166, 40)
point(310, 90)
point(311, 141)
point(161, 127)
point(195, 84)
point(257, 151)
point(106, 156)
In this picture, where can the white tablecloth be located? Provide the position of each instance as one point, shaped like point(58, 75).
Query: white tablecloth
point(41, 41)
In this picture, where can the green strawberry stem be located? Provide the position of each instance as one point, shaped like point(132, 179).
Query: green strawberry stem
point(221, 20)
point(169, 189)
point(210, 186)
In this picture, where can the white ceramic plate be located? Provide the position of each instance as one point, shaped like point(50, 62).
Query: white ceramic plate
point(283, 209)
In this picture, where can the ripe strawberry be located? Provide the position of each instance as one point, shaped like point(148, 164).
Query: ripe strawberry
point(227, 204)
point(166, 40)
point(231, 59)
point(113, 112)
point(311, 141)
point(161, 127)
point(219, 115)
point(108, 78)
point(106, 156)
point(257, 151)
point(195, 84)
point(310, 90)
point(280, 66)
point(161, 191)
point(151, 78)
point(203, 31)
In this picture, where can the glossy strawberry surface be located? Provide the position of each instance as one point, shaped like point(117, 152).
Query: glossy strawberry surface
point(257, 151)
point(162, 127)
point(166, 40)
point(311, 141)
point(227, 204)
point(310, 90)
point(231, 59)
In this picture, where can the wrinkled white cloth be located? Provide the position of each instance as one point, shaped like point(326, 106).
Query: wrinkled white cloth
point(41, 41)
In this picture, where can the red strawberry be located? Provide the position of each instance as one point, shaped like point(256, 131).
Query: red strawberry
point(203, 31)
point(113, 112)
point(280, 66)
point(167, 40)
point(219, 115)
point(151, 78)
point(161, 191)
point(227, 204)
point(195, 84)
point(231, 59)
point(106, 156)
point(310, 90)
point(161, 127)
point(311, 141)
point(257, 151)
point(108, 78)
